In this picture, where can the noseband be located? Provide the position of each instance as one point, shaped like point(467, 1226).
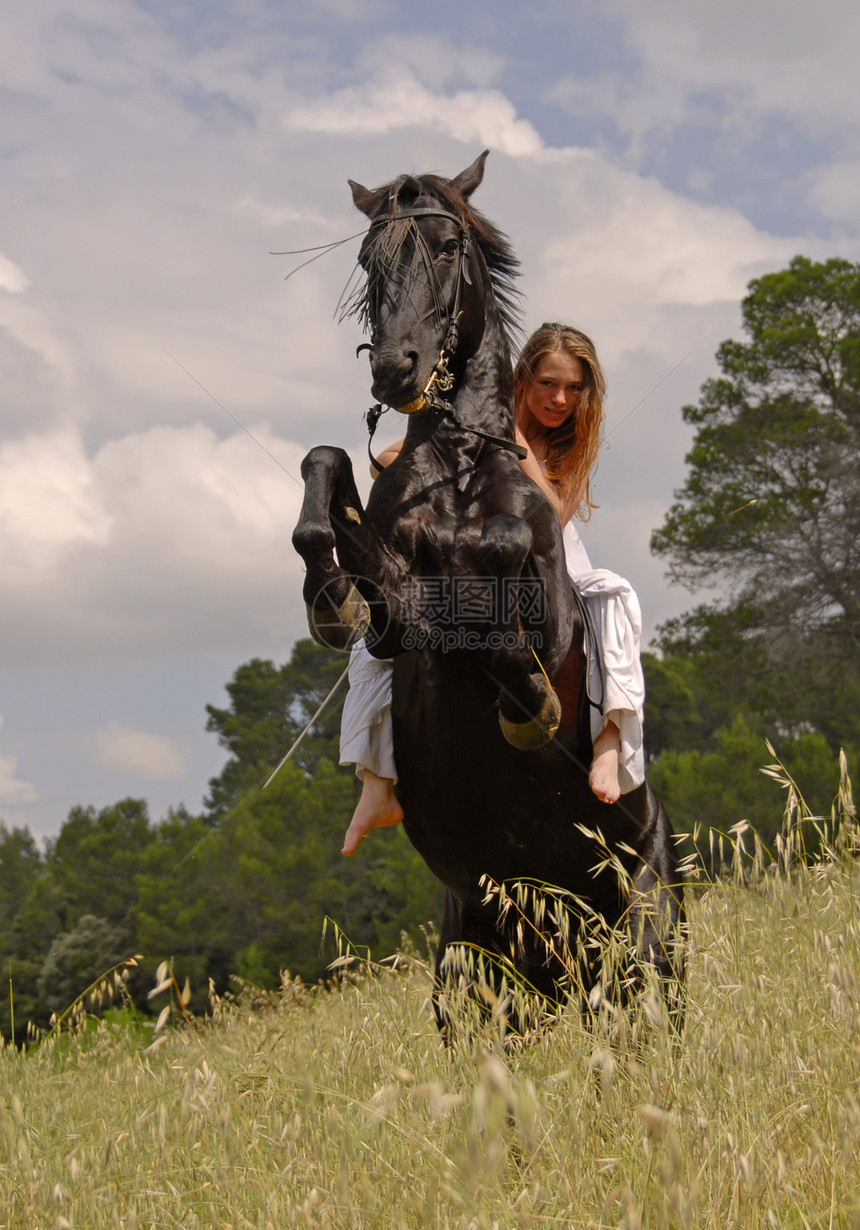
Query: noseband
point(441, 378)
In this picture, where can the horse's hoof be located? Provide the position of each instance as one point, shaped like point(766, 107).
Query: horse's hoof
point(537, 731)
point(340, 629)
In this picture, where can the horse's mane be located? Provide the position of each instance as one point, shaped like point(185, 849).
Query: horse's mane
point(383, 250)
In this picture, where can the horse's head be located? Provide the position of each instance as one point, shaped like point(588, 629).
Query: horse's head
point(427, 282)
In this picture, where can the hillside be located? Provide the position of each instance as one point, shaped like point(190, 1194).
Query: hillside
point(342, 1109)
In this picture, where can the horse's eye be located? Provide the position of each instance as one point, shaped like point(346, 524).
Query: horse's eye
point(449, 249)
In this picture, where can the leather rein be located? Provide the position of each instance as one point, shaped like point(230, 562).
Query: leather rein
point(441, 379)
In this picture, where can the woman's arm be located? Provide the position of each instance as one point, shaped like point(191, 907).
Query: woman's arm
point(565, 500)
point(385, 458)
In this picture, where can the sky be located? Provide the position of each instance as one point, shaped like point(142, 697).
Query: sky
point(161, 380)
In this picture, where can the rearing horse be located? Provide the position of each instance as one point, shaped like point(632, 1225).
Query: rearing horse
point(456, 570)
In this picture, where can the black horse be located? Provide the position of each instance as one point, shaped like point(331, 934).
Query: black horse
point(456, 570)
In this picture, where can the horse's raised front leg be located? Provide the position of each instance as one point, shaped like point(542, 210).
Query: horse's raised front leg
point(332, 517)
point(529, 710)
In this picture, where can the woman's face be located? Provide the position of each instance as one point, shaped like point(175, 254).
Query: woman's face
point(552, 395)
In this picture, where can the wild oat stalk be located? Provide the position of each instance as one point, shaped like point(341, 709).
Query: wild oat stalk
point(838, 838)
point(11, 1004)
point(178, 1000)
point(104, 989)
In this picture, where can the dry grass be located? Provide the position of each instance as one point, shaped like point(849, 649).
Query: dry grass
point(341, 1109)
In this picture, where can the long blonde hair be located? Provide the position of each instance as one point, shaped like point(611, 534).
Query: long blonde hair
point(571, 448)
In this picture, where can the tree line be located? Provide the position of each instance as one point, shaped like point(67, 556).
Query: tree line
point(242, 889)
point(770, 511)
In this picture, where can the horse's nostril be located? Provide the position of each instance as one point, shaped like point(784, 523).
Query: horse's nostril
point(394, 369)
point(407, 366)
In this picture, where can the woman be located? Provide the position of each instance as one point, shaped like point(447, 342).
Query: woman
point(558, 391)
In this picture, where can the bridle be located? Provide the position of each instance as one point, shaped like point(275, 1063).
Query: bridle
point(441, 381)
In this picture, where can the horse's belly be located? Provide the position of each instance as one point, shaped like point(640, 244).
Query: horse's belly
point(474, 805)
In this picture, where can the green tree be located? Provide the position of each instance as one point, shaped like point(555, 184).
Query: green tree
point(244, 889)
point(20, 865)
point(677, 712)
point(269, 707)
point(185, 890)
point(95, 858)
point(722, 785)
point(250, 894)
point(247, 888)
point(771, 504)
point(19, 998)
point(76, 958)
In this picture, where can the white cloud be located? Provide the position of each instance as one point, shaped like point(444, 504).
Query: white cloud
point(30, 331)
point(213, 496)
point(778, 71)
point(162, 538)
point(155, 163)
point(139, 754)
point(12, 789)
point(47, 501)
point(160, 534)
point(12, 279)
point(790, 55)
point(486, 117)
point(637, 266)
point(618, 538)
point(436, 60)
point(648, 244)
point(835, 190)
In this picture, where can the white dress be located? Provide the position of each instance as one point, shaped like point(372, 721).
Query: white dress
point(365, 733)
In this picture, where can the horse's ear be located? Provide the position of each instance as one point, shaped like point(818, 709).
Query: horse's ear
point(467, 181)
point(361, 196)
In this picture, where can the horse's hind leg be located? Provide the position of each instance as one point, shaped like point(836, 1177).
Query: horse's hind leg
point(331, 513)
point(450, 932)
point(511, 983)
point(529, 710)
point(656, 917)
point(466, 960)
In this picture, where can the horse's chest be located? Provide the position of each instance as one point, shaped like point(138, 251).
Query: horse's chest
point(440, 533)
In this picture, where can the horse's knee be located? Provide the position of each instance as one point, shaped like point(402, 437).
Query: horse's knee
point(313, 539)
point(337, 613)
point(324, 458)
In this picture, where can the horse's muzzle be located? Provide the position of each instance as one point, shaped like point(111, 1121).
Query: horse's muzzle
point(396, 377)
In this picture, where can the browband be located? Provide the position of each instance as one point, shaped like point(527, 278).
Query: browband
point(416, 213)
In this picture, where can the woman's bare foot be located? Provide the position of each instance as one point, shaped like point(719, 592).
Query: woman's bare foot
point(603, 774)
point(377, 809)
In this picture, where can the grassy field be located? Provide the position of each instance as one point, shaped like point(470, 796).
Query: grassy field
point(342, 1109)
